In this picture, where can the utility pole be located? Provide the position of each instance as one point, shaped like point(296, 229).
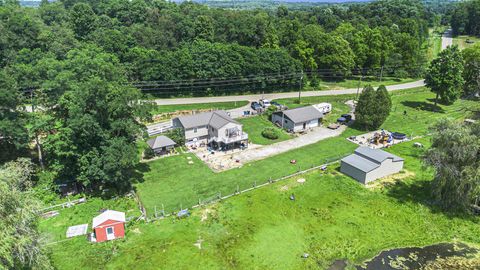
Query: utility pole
point(381, 74)
point(300, 89)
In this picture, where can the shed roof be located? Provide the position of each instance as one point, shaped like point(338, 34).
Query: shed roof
point(160, 141)
point(108, 215)
point(303, 114)
point(216, 119)
point(376, 155)
point(367, 159)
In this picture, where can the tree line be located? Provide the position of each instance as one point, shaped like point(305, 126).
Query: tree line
point(464, 18)
point(156, 40)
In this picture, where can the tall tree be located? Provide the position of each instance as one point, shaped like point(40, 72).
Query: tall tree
point(82, 20)
point(455, 156)
point(20, 247)
point(471, 73)
point(445, 75)
point(13, 134)
point(96, 125)
point(373, 107)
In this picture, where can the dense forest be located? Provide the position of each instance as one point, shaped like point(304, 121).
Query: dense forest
point(465, 18)
point(187, 49)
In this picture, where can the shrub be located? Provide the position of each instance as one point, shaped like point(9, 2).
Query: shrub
point(149, 153)
point(270, 133)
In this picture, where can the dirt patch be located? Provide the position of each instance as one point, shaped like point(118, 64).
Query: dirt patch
point(206, 213)
point(390, 180)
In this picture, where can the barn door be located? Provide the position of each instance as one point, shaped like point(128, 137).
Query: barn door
point(110, 233)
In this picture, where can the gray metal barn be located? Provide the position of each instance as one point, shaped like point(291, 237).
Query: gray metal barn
point(366, 165)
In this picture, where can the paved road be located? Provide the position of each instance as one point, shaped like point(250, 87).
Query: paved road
point(447, 39)
point(196, 100)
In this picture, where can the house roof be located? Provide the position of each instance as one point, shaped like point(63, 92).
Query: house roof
point(160, 141)
point(303, 114)
point(108, 215)
point(216, 119)
point(367, 159)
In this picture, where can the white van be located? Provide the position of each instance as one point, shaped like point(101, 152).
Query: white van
point(323, 107)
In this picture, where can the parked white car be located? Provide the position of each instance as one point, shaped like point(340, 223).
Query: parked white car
point(323, 107)
point(265, 103)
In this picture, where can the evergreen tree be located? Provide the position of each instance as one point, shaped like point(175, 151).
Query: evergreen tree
point(373, 107)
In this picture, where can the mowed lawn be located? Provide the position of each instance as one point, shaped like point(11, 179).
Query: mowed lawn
point(254, 127)
point(333, 217)
point(174, 183)
point(462, 43)
point(159, 109)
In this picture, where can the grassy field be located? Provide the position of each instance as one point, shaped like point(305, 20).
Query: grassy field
point(434, 44)
point(333, 217)
point(200, 106)
point(461, 41)
point(353, 83)
point(254, 127)
point(175, 183)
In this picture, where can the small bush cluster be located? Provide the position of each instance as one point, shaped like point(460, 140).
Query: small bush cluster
point(270, 133)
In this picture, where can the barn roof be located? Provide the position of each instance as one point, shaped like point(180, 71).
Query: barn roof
point(303, 114)
point(367, 159)
point(216, 119)
point(376, 155)
point(108, 215)
point(160, 141)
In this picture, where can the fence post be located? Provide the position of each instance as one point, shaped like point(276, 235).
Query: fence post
point(155, 214)
point(255, 184)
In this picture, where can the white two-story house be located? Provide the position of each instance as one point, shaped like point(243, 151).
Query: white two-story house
point(216, 129)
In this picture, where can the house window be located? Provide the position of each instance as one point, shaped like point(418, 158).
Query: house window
point(286, 121)
point(195, 130)
point(110, 230)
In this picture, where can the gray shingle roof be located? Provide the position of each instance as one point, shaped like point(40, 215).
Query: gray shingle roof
point(302, 114)
point(216, 119)
point(367, 159)
point(160, 141)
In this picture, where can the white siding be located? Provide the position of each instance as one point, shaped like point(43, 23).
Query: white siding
point(190, 133)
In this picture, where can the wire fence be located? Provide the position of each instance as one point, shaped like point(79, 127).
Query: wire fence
point(159, 211)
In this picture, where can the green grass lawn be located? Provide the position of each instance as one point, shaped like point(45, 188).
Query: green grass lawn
point(175, 183)
point(254, 127)
point(333, 217)
point(461, 41)
point(200, 106)
point(434, 45)
point(353, 83)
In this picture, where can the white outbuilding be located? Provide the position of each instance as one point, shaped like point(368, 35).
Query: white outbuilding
point(299, 119)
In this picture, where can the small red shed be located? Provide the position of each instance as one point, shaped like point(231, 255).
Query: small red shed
point(109, 225)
